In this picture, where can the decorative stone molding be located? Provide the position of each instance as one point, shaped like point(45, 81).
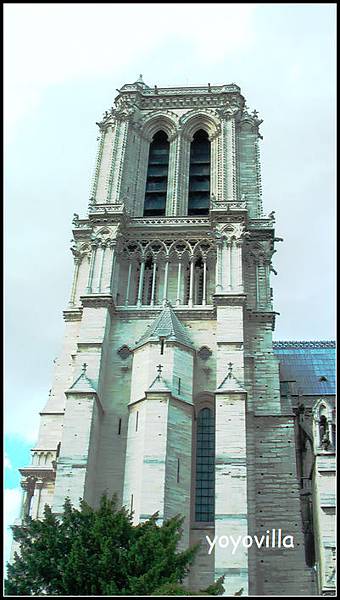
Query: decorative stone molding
point(195, 119)
point(184, 312)
point(165, 120)
point(157, 248)
point(170, 220)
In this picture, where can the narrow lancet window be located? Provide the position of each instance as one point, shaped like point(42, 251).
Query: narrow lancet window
point(157, 176)
point(199, 174)
point(205, 466)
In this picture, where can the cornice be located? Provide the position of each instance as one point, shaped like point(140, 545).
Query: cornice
point(73, 314)
point(229, 299)
point(38, 472)
point(98, 301)
point(139, 97)
point(262, 316)
point(261, 224)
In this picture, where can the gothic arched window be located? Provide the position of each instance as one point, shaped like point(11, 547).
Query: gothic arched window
point(157, 176)
point(205, 466)
point(199, 174)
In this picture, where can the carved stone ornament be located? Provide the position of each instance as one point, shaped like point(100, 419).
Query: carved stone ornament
point(230, 231)
point(204, 353)
point(124, 352)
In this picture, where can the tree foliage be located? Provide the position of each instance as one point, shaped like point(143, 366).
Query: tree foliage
point(87, 552)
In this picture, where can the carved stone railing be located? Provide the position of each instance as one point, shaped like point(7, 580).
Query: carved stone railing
point(261, 223)
point(225, 206)
point(106, 208)
point(43, 458)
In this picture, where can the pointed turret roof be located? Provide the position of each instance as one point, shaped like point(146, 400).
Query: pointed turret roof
point(159, 385)
point(230, 385)
point(166, 325)
point(83, 383)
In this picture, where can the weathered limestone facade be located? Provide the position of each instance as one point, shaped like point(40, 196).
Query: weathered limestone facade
point(178, 406)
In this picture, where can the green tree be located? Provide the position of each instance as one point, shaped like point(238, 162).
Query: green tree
point(89, 552)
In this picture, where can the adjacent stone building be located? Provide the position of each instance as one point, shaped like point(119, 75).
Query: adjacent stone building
point(167, 390)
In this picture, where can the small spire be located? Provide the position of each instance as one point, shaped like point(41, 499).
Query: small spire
point(140, 79)
point(159, 369)
point(230, 370)
point(84, 368)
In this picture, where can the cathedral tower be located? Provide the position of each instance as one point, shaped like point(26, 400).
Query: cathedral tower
point(167, 391)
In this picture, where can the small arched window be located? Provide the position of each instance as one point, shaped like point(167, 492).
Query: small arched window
point(157, 176)
point(205, 466)
point(199, 174)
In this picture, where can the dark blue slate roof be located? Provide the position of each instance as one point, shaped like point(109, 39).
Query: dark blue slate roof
point(305, 363)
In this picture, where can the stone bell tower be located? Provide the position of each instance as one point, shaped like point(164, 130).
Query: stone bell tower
point(166, 392)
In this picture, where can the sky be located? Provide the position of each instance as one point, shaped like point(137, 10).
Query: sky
point(63, 64)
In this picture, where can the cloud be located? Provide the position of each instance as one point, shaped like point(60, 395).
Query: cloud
point(7, 462)
point(12, 503)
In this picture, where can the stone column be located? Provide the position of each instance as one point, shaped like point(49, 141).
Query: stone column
point(228, 265)
point(94, 246)
point(257, 291)
point(153, 287)
point(204, 298)
point(112, 262)
point(28, 490)
point(77, 261)
point(183, 169)
point(166, 273)
point(218, 267)
point(267, 281)
point(191, 288)
point(99, 157)
point(178, 299)
point(128, 283)
point(141, 172)
point(173, 176)
point(37, 496)
point(103, 162)
point(238, 265)
point(140, 284)
point(100, 274)
point(117, 159)
point(229, 158)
